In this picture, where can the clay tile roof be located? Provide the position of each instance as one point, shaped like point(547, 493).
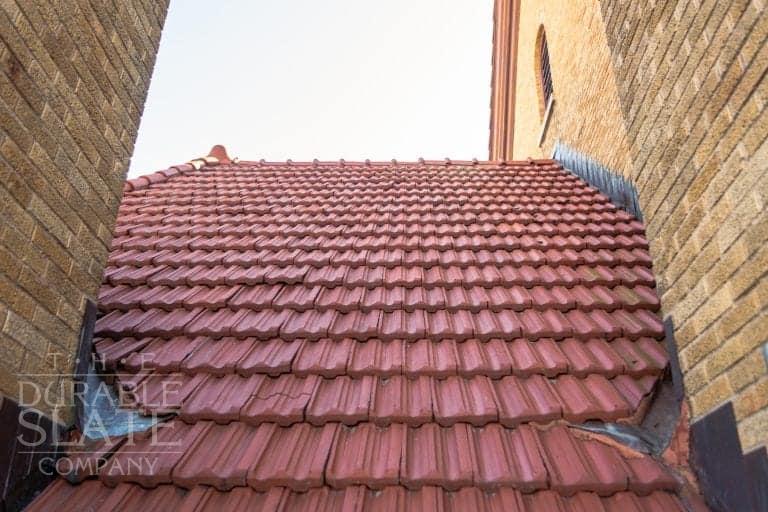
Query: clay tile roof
point(377, 335)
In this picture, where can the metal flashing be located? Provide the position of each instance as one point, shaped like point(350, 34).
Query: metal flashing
point(610, 182)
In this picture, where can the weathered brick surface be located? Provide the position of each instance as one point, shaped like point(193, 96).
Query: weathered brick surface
point(73, 79)
point(673, 95)
point(586, 113)
point(692, 89)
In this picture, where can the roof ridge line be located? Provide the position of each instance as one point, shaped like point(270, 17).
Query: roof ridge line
point(394, 162)
point(217, 155)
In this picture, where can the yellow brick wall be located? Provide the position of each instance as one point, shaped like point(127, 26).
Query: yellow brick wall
point(693, 89)
point(74, 77)
point(587, 112)
point(673, 95)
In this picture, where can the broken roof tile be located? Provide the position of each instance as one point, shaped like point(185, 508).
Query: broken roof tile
point(280, 400)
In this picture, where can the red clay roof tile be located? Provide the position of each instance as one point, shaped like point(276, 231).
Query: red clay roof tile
point(398, 399)
point(222, 455)
point(165, 393)
point(457, 399)
point(296, 458)
point(263, 324)
point(425, 357)
point(129, 466)
point(508, 458)
point(271, 357)
point(219, 398)
point(366, 455)
point(217, 357)
point(255, 297)
point(526, 400)
point(342, 399)
point(378, 336)
point(280, 400)
point(324, 357)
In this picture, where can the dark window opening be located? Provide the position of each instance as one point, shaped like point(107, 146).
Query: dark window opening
point(546, 73)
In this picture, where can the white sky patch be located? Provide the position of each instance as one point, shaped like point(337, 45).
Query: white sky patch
point(349, 79)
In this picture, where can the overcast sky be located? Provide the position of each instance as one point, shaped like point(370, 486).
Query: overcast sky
point(327, 79)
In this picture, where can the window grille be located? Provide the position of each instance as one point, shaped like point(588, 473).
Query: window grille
point(546, 73)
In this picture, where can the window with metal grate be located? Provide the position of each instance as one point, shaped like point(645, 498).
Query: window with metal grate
point(546, 73)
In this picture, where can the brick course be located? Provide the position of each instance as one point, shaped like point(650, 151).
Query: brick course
point(703, 189)
point(586, 112)
point(673, 96)
point(73, 80)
